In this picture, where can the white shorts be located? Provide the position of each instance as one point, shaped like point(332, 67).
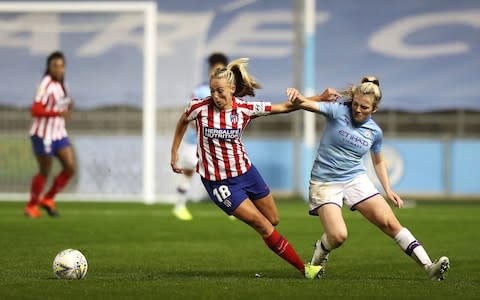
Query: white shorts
point(351, 192)
point(187, 156)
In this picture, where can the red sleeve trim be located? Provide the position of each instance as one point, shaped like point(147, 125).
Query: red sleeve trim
point(38, 110)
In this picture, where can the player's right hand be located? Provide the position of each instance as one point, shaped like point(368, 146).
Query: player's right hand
point(173, 164)
point(294, 96)
point(66, 114)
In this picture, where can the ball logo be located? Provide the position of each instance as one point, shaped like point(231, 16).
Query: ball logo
point(395, 166)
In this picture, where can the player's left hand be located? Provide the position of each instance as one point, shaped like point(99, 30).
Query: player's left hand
point(330, 95)
point(66, 114)
point(397, 201)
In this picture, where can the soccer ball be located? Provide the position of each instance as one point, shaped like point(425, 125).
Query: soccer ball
point(70, 264)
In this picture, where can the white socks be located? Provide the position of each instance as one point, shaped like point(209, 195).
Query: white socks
point(322, 249)
point(412, 247)
point(182, 190)
point(325, 244)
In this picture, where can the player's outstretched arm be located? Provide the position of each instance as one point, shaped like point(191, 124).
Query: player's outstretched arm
point(301, 102)
point(287, 106)
point(281, 108)
point(180, 129)
point(382, 174)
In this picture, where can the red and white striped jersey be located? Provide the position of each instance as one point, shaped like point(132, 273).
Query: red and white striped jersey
point(220, 150)
point(52, 96)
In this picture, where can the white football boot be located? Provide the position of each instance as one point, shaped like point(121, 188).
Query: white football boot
point(438, 269)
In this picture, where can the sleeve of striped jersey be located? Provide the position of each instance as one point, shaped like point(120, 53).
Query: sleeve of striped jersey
point(194, 107)
point(257, 109)
point(41, 95)
point(38, 110)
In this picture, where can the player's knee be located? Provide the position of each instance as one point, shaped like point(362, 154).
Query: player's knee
point(389, 226)
point(70, 169)
point(336, 239)
point(275, 220)
point(263, 227)
point(45, 171)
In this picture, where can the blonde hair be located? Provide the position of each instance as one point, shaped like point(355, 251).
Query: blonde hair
point(236, 74)
point(369, 85)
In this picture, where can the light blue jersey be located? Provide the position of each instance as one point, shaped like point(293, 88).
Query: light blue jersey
point(200, 92)
point(343, 144)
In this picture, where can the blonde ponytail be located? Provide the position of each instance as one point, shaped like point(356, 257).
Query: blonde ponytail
point(236, 74)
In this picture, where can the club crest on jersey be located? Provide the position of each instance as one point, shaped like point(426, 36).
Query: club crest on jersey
point(234, 118)
point(221, 133)
point(258, 107)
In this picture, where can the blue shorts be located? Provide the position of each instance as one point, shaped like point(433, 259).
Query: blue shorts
point(49, 148)
point(229, 193)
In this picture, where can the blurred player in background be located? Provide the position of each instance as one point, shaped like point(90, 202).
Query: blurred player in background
point(338, 175)
point(188, 151)
point(230, 179)
point(51, 107)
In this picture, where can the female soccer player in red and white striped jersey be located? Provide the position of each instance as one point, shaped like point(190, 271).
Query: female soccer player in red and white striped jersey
point(229, 177)
point(51, 107)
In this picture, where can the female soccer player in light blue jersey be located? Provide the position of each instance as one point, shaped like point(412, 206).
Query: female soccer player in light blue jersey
point(338, 175)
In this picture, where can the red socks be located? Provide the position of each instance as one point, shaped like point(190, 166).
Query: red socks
point(58, 184)
point(38, 183)
point(282, 248)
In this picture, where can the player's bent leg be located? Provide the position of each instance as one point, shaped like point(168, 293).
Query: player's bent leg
point(250, 214)
point(38, 184)
point(379, 213)
point(45, 164)
point(333, 224)
point(335, 234)
point(67, 159)
point(268, 208)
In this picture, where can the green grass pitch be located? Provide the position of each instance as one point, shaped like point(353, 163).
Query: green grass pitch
point(142, 252)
